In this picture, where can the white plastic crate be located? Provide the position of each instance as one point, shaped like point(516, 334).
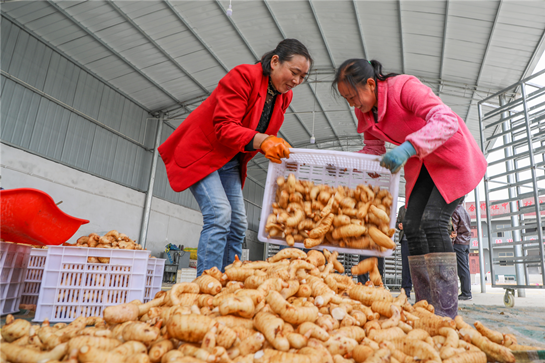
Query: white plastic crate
point(186, 275)
point(72, 287)
point(33, 278)
point(333, 168)
point(154, 278)
point(13, 265)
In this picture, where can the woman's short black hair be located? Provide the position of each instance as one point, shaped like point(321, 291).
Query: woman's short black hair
point(285, 50)
point(357, 71)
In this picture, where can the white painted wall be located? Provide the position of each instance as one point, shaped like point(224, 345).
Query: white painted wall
point(105, 204)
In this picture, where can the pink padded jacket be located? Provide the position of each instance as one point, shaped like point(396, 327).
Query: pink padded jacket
point(410, 111)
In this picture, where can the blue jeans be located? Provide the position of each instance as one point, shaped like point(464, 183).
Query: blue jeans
point(222, 205)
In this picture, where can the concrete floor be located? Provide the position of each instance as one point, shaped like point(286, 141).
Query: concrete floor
point(494, 296)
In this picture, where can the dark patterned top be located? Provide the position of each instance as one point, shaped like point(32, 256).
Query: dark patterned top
point(265, 114)
point(265, 117)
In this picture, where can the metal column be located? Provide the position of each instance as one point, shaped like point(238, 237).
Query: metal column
point(482, 265)
point(487, 201)
point(534, 180)
point(509, 166)
point(149, 194)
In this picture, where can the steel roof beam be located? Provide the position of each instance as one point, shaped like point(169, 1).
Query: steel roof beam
point(196, 35)
point(443, 48)
point(242, 37)
point(358, 19)
point(273, 16)
point(156, 45)
point(325, 113)
point(533, 59)
point(487, 49)
point(130, 98)
point(284, 36)
point(95, 37)
point(209, 49)
point(329, 53)
point(401, 37)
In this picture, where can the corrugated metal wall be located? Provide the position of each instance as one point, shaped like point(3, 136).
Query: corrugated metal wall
point(34, 122)
point(38, 124)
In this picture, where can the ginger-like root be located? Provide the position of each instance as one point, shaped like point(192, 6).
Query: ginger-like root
point(493, 335)
point(15, 329)
point(289, 313)
point(416, 348)
point(361, 353)
point(17, 354)
point(118, 355)
point(468, 357)
point(493, 351)
point(367, 295)
point(380, 335)
point(293, 287)
point(291, 253)
point(242, 306)
point(247, 346)
point(350, 230)
point(101, 343)
point(121, 313)
point(364, 266)
point(315, 331)
point(173, 296)
point(189, 328)
point(380, 238)
point(140, 332)
point(433, 323)
point(208, 285)
point(394, 319)
point(271, 327)
point(375, 276)
point(339, 344)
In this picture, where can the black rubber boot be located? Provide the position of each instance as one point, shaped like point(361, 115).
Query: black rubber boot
point(419, 275)
point(443, 283)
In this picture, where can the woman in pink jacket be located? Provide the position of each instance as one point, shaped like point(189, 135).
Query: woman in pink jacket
point(441, 159)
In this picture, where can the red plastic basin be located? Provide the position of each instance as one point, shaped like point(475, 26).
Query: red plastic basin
point(30, 216)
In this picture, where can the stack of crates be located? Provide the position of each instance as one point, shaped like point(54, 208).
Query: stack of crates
point(154, 277)
point(72, 287)
point(34, 274)
point(13, 266)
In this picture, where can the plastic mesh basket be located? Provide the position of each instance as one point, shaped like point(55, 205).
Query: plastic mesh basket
point(72, 287)
point(13, 265)
point(333, 168)
point(154, 278)
point(34, 274)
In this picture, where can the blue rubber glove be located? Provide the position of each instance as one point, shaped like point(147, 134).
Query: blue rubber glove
point(397, 157)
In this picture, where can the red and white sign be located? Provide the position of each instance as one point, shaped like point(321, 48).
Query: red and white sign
point(499, 209)
point(475, 243)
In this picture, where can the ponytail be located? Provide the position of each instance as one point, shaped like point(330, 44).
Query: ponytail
point(357, 71)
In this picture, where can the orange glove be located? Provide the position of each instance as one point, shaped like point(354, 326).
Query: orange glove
point(275, 148)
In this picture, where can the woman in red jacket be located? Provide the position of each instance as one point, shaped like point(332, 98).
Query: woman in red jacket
point(442, 164)
point(209, 151)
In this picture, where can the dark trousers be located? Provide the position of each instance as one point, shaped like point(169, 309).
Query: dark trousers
point(427, 218)
point(406, 282)
point(365, 277)
point(462, 257)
